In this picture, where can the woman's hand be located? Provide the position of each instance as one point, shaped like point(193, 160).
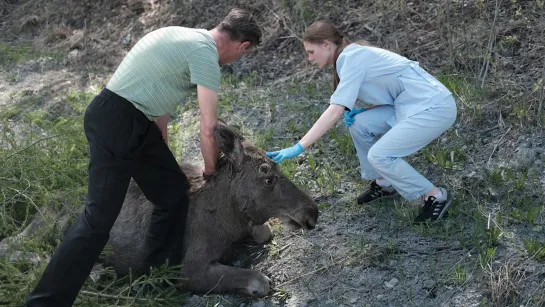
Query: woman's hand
point(286, 153)
point(350, 116)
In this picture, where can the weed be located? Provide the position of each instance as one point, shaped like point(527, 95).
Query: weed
point(264, 139)
point(328, 178)
point(274, 251)
point(486, 255)
point(535, 249)
point(26, 185)
point(525, 210)
point(503, 284)
point(344, 143)
point(445, 157)
point(460, 275)
point(463, 87)
point(282, 295)
point(23, 103)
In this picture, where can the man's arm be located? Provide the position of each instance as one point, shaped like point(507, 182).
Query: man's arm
point(162, 122)
point(208, 102)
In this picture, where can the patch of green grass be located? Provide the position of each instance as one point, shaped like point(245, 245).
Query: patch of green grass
point(81, 99)
point(16, 279)
point(328, 178)
point(495, 177)
point(10, 112)
point(308, 89)
point(344, 142)
point(50, 169)
point(525, 210)
point(264, 139)
point(515, 179)
point(363, 252)
point(230, 81)
point(158, 288)
point(289, 168)
point(46, 168)
point(282, 295)
point(484, 235)
point(274, 250)
point(42, 171)
point(463, 87)
point(460, 275)
point(535, 249)
point(449, 158)
point(23, 102)
point(445, 229)
point(469, 97)
point(12, 54)
point(486, 256)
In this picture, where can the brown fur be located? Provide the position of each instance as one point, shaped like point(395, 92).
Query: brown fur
point(234, 204)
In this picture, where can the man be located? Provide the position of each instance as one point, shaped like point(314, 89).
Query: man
point(126, 127)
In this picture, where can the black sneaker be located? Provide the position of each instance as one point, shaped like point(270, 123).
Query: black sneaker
point(434, 210)
point(375, 192)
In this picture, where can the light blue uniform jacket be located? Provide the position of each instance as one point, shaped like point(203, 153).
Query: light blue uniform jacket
point(380, 77)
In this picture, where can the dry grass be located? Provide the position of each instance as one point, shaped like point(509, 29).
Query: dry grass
point(503, 283)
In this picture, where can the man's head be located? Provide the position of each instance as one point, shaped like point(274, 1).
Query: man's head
point(236, 35)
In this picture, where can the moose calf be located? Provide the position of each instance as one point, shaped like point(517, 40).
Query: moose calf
point(247, 190)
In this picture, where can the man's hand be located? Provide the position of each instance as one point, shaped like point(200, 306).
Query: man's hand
point(162, 122)
point(206, 176)
point(208, 101)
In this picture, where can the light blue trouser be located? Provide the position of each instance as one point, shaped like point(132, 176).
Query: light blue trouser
point(383, 157)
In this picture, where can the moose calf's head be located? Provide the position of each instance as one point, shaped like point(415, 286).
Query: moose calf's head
point(259, 188)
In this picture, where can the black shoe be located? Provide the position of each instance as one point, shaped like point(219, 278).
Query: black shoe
point(375, 192)
point(434, 210)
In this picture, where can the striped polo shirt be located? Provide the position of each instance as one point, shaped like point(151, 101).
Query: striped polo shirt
point(163, 68)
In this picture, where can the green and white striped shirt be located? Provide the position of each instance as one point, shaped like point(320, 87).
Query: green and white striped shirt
point(163, 68)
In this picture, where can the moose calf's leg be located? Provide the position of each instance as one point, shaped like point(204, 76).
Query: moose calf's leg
point(262, 233)
point(221, 278)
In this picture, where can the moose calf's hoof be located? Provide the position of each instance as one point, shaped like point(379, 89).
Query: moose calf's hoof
point(258, 286)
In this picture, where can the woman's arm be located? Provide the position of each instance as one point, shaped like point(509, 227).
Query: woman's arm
point(322, 125)
point(330, 116)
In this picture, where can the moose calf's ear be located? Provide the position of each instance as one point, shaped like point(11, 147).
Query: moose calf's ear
point(229, 142)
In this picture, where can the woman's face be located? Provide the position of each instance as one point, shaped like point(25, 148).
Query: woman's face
point(320, 54)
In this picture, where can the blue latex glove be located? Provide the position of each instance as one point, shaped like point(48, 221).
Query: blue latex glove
point(350, 117)
point(286, 153)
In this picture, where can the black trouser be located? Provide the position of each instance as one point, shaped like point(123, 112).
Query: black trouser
point(123, 144)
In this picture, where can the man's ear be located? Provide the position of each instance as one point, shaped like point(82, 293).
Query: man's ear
point(245, 45)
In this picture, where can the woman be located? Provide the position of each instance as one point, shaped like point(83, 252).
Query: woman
point(410, 108)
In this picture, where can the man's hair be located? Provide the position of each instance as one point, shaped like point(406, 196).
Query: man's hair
point(241, 26)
